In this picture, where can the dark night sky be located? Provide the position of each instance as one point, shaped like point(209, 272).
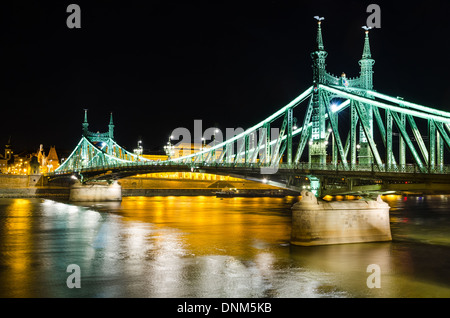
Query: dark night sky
point(162, 64)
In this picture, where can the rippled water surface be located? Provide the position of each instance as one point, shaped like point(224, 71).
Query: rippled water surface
point(212, 247)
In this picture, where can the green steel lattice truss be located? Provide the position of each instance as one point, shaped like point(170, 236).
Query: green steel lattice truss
point(339, 109)
point(97, 150)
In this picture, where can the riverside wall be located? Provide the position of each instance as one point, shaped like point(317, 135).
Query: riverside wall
point(17, 186)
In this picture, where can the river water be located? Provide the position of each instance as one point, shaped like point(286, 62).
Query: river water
point(213, 247)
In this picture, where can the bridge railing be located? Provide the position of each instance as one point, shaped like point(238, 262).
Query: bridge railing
point(302, 166)
point(407, 168)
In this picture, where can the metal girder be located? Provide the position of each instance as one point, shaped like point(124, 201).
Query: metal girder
point(394, 108)
point(229, 152)
point(401, 143)
point(386, 135)
point(353, 125)
point(443, 134)
point(318, 117)
point(347, 145)
point(208, 157)
point(328, 130)
point(306, 131)
point(366, 128)
point(334, 127)
point(267, 148)
point(283, 149)
point(432, 144)
point(222, 155)
point(275, 156)
point(439, 150)
point(240, 150)
point(416, 132)
point(290, 120)
point(262, 136)
point(388, 138)
point(334, 148)
point(379, 121)
point(402, 129)
point(306, 134)
point(406, 104)
point(251, 147)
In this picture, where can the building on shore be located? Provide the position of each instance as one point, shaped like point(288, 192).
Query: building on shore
point(6, 158)
point(28, 163)
point(48, 163)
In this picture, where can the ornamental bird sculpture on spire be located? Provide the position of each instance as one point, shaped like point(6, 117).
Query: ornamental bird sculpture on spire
point(319, 33)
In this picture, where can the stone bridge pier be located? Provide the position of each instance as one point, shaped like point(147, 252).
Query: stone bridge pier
point(319, 222)
point(95, 192)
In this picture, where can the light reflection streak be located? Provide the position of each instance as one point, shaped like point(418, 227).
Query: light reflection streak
point(16, 246)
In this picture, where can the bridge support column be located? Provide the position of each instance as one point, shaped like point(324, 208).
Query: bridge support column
point(318, 222)
point(365, 154)
point(95, 192)
point(316, 185)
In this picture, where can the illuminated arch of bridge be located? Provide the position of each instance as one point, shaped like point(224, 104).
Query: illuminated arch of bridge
point(346, 141)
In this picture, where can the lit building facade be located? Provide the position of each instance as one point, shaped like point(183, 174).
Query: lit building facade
point(28, 163)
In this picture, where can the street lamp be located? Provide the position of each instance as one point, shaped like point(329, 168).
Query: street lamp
point(139, 150)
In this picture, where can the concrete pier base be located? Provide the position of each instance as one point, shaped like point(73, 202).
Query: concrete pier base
point(318, 222)
point(95, 192)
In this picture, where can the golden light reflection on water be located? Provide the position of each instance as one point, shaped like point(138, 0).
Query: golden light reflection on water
point(17, 242)
point(212, 225)
point(201, 247)
point(391, 197)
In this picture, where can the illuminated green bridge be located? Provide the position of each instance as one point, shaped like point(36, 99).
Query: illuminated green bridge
point(349, 139)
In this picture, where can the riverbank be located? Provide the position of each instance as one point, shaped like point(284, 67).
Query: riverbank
point(35, 192)
point(63, 193)
point(12, 186)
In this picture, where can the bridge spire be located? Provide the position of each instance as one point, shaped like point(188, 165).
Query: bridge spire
point(366, 63)
point(366, 51)
point(85, 123)
point(319, 39)
point(366, 82)
point(111, 126)
point(317, 149)
point(319, 55)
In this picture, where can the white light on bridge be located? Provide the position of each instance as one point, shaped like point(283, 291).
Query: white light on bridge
point(337, 107)
point(333, 107)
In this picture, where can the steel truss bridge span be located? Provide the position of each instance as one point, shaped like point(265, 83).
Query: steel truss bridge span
point(101, 161)
point(338, 135)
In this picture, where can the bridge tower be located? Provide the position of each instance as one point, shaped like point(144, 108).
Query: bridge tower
point(366, 81)
point(111, 127)
point(317, 144)
point(85, 124)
